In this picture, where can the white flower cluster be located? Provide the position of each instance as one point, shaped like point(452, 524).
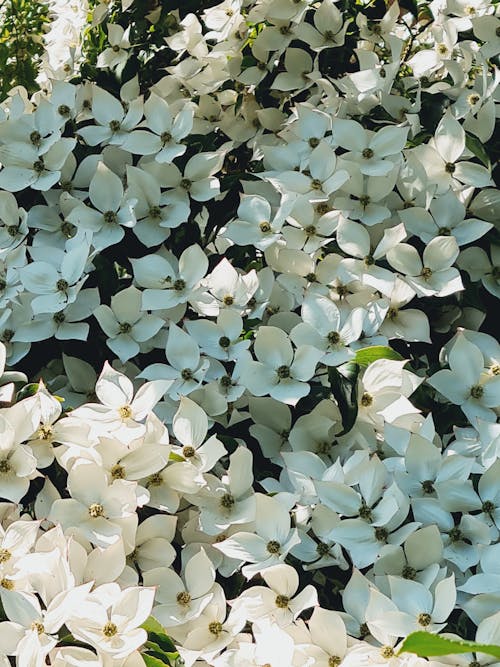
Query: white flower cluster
point(63, 40)
point(263, 221)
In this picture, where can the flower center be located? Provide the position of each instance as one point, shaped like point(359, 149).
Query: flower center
point(38, 627)
point(322, 549)
point(426, 273)
point(225, 381)
point(109, 629)
point(155, 480)
point(381, 534)
point(155, 212)
point(265, 227)
point(324, 447)
point(215, 628)
point(224, 342)
point(428, 486)
point(387, 652)
point(5, 466)
point(455, 534)
point(110, 217)
point(477, 391)
point(409, 572)
point(114, 125)
point(186, 184)
point(59, 317)
point(39, 166)
point(125, 412)
point(367, 153)
point(283, 372)
point(36, 138)
point(96, 510)
point(8, 584)
point(183, 598)
point(366, 399)
point(179, 285)
point(62, 285)
point(5, 555)
point(487, 507)
point(188, 452)
point(449, 168)
point(228, 300)
point(313, 142)
point(273, 547)
point(125, 327)
point(186, 374)
point(227, 501)
point(282, 601)
point(316, 184)
point(44, 432)
point(365, 512)
point(333, 338)
point(424, 620)
point(118, 472)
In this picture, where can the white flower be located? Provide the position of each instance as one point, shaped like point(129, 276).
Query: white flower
point(433, 275)
point(190, 426)
point(181, 600)
point(114, 123)
point(169, 130)
point(327, 329)
point(445, 217)
point(271, 542)
point(116, 54)
point(109, 619)
point(125, 324)
point(279, 371)
point(170, 283)
point(101, 512)
point(25, 167)
point(466, 383)
point(440, 158)
point(17, 464)
point(111, 210)
point(375, 154)
point(413, 607)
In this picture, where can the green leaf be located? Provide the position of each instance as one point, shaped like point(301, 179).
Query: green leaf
point(475, 146)
point(157, 635)
point(152, 625)
point(367, 355)
point(425, 644)
point(28, 390)
point(344, 386)
point(151, 661)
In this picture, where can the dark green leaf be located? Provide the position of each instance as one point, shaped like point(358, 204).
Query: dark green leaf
point(344, 386)
point(475, 146)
